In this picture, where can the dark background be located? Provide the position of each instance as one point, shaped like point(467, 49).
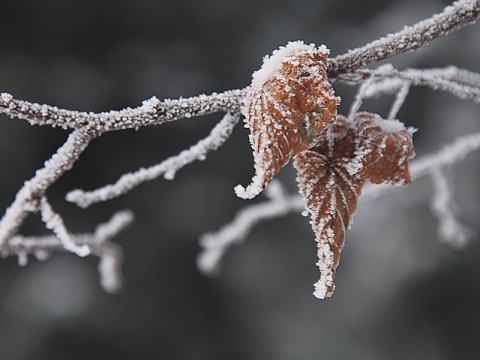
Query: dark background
point(400, 292)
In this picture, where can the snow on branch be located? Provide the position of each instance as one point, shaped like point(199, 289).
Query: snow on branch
point(29, 197)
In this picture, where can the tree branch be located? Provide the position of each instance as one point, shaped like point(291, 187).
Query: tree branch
point(152, 112)
point(219, 134)
point(98, 242)
point(29, 197)
point(453, 17)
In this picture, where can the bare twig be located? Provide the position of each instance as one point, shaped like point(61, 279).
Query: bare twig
point(216, 244)
point(110, 254)
point(29, 196)
point(451, 80)
point(220, 133)
point(54, 222)
point(450, 229)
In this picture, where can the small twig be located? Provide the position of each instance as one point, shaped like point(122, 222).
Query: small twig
point(359, 96)
point(384, 80)
point(110, 254)
point(399, 100)
point(216, 244)
point(28, 197)
point(219, 134)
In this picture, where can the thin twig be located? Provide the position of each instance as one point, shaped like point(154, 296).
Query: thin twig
point(29, 196)
point(219, 134)
point(110, 254)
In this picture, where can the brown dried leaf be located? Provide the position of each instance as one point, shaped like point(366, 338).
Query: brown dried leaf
point(387, 146)
point(289, 104)
point(331, 176)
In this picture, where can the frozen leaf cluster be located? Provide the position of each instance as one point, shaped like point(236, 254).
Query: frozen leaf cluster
point(331, 176)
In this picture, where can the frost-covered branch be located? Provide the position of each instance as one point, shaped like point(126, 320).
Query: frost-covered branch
point(98, 242)
point(54, 222)
point(29, 197)
point(219, 134)
point(152, 112)
point(457, 82)
point(216, 244)
point(453, 17)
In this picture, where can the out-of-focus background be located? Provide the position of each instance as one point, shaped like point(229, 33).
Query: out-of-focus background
point(401, 294)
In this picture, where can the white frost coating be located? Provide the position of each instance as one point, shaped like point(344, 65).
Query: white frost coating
point(354, 166)
point(447, 156)
point(151, 112)
point(392, 126)
point(216, 244)
point(34, 189)
point(437, 79)
point(155, 113)
point(271, 64)
point(254, 188)
point(151, 104)
point(459, 14)
point(6, 98)
point(460, 83)
point(325, 264)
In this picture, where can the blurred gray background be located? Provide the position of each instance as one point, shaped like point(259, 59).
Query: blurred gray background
point(400, 293)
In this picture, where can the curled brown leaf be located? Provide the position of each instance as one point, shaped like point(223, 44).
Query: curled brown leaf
point(331, 176)
point(289, 104)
